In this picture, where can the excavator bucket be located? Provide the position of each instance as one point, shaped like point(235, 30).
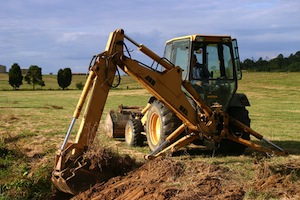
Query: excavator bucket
point(74, 174)
point(73, 182)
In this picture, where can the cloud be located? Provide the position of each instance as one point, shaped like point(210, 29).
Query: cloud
point(57, 33)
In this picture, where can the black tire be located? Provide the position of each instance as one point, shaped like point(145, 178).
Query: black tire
point(161, 122)
point(229, 146)
point(133, 136)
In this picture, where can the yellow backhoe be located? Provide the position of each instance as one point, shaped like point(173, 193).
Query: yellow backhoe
point(194, 98)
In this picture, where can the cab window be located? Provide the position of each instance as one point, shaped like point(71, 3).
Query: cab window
point(178, 53)
point(219, 61)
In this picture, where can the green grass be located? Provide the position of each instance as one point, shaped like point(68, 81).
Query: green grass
point(275, 109)
point(33, 125)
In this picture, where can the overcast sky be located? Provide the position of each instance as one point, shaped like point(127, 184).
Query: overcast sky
point(56, 34)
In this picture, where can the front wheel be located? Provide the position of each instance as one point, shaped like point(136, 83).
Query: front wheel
point(161, 122)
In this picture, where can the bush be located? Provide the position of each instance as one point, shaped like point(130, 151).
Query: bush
point(79, 86)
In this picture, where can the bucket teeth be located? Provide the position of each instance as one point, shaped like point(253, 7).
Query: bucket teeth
point(74, 180)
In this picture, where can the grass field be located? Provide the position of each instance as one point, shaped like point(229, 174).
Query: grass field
point(33, 125)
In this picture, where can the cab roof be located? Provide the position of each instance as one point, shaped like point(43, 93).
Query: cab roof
point(204, 38)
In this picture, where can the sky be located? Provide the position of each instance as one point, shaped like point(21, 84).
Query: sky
point(58, 34)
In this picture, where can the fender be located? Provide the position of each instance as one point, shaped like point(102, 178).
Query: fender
point(239, 100)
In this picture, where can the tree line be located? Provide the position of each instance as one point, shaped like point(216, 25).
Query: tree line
point(64, 76)
point(278, 64)
point(34, 77)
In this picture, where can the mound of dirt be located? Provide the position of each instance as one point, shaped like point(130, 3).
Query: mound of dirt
point(187, 179)
point(279, 179)
point(164, 178)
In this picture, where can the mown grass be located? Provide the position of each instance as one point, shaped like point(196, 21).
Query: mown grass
point(275, 109)
point(33, 125)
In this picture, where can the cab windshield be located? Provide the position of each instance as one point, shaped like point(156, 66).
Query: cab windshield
point(212, 72)
point(211, 61)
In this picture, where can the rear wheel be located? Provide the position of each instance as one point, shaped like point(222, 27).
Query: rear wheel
point(229, 146)
point(133, 136)
point(161, 122)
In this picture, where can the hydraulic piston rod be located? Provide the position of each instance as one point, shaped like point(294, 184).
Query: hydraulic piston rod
point(79, 107)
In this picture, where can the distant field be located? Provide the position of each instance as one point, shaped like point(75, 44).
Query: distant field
point(33, 125)
point(51, 83)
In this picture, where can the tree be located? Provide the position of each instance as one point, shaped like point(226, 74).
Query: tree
point(15, 76)
point(34, 76)
point(42, 84)
point(262, 65)
point(248, 64)
point(64, 77)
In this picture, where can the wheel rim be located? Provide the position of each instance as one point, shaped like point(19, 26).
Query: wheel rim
point(128, 134)
point(155, 128)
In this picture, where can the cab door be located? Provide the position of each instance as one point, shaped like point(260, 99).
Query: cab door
point(236, 58)
point(178, 52)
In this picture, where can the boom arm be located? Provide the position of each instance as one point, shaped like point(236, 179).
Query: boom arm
point(165, 86)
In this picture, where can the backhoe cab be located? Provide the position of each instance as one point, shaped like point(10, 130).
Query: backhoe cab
point(210, 63)
point(185, 106)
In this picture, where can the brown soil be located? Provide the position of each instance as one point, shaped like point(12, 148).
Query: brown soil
point(165, 178)
point(279, 179)
point(169, 178)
